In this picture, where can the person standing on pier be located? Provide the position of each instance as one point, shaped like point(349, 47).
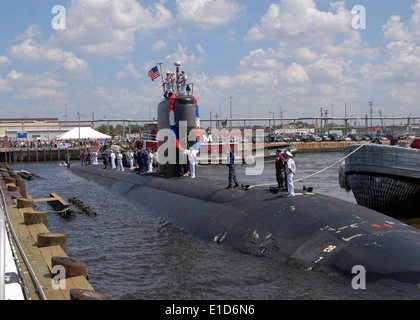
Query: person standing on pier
point(291, 171)
point(105, 157)
point(120, 162)
point(131, 159)
point(94, 157)
point(112, 160)
point(150, 158)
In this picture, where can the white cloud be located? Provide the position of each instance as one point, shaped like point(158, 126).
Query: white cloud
point(302, 22)
point(159, 45)
point(33, 31)
point(4, 86)
point(200, 49)
point(41, 93)
point(189, 62)
point(4, 61)
point(395, 30)
point(129, 69)
point(108, 29)
point(207, 14)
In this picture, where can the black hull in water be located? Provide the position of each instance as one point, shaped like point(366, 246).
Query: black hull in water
point(310, 231)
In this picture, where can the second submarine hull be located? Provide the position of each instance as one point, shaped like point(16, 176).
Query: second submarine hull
point(309, 231)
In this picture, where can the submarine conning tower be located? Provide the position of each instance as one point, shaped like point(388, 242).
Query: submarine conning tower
point(178, 129)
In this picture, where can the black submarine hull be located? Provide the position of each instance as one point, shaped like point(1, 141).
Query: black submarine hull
point(310, 231)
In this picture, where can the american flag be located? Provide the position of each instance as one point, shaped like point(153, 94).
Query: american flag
point(154, 73)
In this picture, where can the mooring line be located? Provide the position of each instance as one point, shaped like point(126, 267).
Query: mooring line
point(311, 175)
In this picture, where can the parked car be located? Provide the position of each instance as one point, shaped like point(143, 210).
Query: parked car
point(365, 137)
point(354, 137)
point(334, 137)
point(346, 138)
point(270, 137)
point(296, 138)
point(325, 137)
point(307, 138)
point(316, 137)
point(286, 138)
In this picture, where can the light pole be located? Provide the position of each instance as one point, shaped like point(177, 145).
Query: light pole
point(370, 105)
point(230, 100)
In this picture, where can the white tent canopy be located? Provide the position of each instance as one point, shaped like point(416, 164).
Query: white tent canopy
point(85, 133)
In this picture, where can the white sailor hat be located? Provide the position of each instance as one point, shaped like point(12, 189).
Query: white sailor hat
point(289, 153)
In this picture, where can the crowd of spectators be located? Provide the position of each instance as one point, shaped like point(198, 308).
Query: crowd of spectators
point(85, 143)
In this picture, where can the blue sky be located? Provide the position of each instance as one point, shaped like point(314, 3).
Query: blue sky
point(293, 55)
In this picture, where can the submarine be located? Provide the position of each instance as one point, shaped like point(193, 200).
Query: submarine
point(310, 231)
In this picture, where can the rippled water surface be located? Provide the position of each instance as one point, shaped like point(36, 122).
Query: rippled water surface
point(132, 255)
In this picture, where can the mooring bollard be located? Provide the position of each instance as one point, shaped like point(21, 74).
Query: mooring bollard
point(72, 267)
point(24, 203)
point(83, 294)
point(35, 217)
point(47, 239)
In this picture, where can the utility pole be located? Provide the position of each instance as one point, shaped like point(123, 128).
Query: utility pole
point(370, 105)
point(320, 124)
point(230, 100)
point(281, 114)
point(380, 115)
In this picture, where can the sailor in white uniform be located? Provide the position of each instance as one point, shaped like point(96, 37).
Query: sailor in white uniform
point(120, 162)
point(113, 166)
point(131, 159)
point(94, 157)
point(291, 171)
point(192, 158)
point(168, 85)
point(183, 82)
point(150, 156)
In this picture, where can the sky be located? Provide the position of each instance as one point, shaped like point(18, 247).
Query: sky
point(291, 56)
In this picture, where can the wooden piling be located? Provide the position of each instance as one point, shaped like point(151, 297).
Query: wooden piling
point(35, 217)
point(82, 294)
point(24, 203)
point(50, 239)
point(22, 188)
point(72, 267)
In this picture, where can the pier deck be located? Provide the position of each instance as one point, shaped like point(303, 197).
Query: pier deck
point(32, 241)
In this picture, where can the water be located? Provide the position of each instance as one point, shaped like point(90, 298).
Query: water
point(132, 255)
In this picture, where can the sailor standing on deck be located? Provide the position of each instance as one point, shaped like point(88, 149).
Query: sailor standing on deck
point(112, 160)
point(291, 171)
point(280, 170)
point(168, 85)
point(183, 82)
point(192, 157)
point(120, 162)
point(231, 166)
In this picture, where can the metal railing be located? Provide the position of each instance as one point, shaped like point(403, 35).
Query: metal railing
point(5, 224)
